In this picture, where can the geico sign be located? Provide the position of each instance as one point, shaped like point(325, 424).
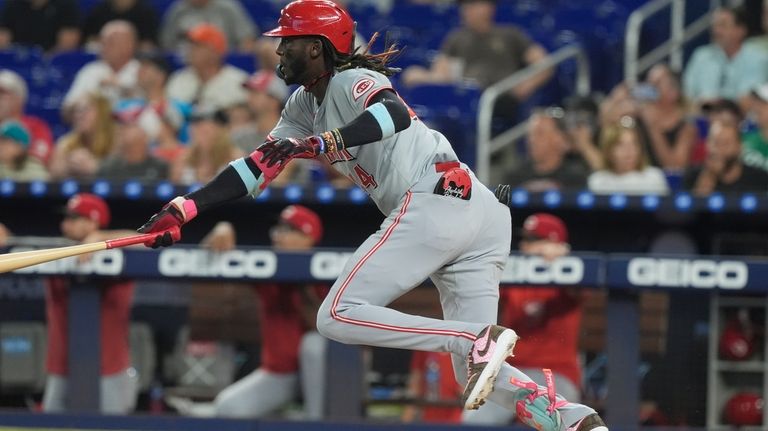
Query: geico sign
point(535, 270)
point(105, 262)
point(327, 265)
point(228, 264)
point(700, 273)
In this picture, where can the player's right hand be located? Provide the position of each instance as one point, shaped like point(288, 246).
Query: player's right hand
point(175, 213)
point(283, 150)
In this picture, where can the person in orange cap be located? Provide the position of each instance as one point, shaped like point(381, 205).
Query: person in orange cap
point(85, 218)
point(228, 15)
point(207, 79)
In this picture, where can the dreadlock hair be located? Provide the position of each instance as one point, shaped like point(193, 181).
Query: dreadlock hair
point(366, 60)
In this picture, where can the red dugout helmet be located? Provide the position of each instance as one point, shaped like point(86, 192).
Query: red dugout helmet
point(317, 18)
point(744, 408)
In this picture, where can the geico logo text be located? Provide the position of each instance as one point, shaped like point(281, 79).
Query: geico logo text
point(536, 270)
point(229, 264)
point(699, 273)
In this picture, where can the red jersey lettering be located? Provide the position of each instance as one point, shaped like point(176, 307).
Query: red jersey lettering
point(366, 179)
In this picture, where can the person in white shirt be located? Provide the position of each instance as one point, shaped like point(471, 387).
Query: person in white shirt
point(726, 68)
point(626, 163)
point(207, 79)
point(114, 74)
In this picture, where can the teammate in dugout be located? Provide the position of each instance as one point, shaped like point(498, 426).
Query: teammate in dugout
point(441, 221)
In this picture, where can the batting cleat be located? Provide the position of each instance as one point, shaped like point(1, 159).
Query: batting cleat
point(592, 422)
point(492, 347)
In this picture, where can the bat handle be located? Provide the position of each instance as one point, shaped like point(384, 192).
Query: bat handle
point(142, 238)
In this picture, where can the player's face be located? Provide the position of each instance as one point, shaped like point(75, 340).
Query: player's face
point(76, 227)
point(294, 55)
point(287, 237)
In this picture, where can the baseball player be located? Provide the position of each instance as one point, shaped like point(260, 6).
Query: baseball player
point(85, 218)
point(441, 221)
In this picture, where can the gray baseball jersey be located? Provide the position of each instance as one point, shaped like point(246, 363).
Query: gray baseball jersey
point(385, 170)
point(461, 244)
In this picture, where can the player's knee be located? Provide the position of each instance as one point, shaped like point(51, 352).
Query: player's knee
point(326, 326)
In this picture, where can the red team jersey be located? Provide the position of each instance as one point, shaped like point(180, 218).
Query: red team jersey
point(40, 138)
point(283, 323)
point(116, 299)
point(549, 341)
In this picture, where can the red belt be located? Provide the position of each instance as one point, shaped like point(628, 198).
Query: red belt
point(446, 166)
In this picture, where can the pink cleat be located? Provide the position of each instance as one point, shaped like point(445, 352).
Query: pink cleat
point(492, 347)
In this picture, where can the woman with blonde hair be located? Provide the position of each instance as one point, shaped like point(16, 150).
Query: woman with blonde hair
point(626, 163)
point(209, 150)
point(79, 152)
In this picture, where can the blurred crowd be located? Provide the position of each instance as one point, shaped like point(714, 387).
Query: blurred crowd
point(132, 115)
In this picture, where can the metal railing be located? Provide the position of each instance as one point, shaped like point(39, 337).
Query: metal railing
point(634, 64)
point(487, 146)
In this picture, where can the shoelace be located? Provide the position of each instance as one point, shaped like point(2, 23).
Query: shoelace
point(535, 392)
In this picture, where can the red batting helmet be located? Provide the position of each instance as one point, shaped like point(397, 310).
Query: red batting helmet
point(735, 345)
point(744, 408)
point(317, 18)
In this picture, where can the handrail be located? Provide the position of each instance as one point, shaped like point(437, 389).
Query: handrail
point(634, 65)
point(486, 146)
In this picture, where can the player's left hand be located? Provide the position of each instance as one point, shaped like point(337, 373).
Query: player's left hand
point(174, 214)
point(283, 150)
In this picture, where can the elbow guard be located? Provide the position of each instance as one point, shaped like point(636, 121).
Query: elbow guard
point(392, 116)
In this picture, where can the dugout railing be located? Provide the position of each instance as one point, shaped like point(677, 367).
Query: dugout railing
point(623, 275)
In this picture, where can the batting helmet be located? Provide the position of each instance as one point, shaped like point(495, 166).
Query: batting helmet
point(317, 18)
point(735, 345)
point(744, 408)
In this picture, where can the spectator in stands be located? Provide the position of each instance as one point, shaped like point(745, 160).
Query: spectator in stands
point(294, 360)
point(85, 217)
point(161, 116)
point(15, 162)
point(548, 166)
point(140, 13)
point(671, 134)
point(50, 24)
point(13, 98)
point(209, 150)
point(266, 96)
point(431, 380)
point(723, 110)
point(661, 111)
point(755, 142)
point(723, 170)
point(228, 15)
point(114, 73)
point(484, 52)
point(626, 163)
point(548, 319)
point(131, 158)
point(728, 67)
point(207, 79)
point(79, 152)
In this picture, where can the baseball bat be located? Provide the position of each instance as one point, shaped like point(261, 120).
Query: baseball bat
point(13, 261)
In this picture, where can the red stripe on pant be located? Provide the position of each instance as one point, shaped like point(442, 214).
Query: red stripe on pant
point(359, 265)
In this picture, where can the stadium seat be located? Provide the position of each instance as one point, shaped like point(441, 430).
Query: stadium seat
point(246, 62)
point(64, 66)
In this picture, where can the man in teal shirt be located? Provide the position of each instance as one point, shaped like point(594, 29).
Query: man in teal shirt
point(727, 68)
point(754, 150)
